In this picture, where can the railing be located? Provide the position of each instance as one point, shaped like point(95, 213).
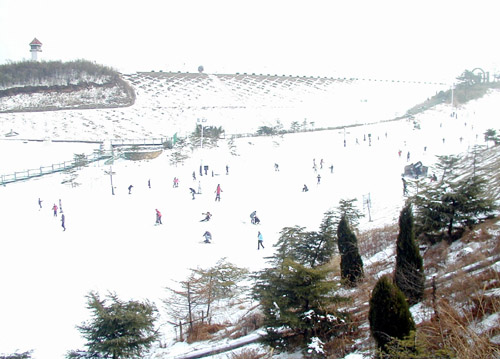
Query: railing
point(139, 141)
point(58, 167)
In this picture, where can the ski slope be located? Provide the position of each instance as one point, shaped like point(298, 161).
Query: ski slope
point(112, 244)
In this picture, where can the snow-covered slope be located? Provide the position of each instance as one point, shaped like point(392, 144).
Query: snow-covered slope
point(169, 103)
point(111, 243)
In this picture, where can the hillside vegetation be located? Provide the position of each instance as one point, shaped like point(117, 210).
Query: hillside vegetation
point(39, 86)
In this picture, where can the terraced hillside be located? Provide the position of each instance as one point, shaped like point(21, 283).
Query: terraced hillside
point(167, 103)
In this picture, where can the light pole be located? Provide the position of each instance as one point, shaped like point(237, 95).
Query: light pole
point(111, 173)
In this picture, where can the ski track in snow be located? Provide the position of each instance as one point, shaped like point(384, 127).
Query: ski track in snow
point(111, 243)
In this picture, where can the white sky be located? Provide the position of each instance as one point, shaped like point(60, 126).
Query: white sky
point(423, 40)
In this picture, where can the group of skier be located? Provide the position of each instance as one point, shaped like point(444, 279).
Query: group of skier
point(54, 209)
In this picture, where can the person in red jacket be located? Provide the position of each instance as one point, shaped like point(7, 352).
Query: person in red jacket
point(217, 193)
point(158, 217)
point(54, 207)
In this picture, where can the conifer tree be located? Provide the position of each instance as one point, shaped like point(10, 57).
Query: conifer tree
point(409, 274)
point(454, 202)
point(351, 264)
point(389, 314)
point(298, 299)
point(117, 329)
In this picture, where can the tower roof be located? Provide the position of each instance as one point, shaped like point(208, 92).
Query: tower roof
point(35, 42)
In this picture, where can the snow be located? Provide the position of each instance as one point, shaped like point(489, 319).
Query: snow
point(111, 243)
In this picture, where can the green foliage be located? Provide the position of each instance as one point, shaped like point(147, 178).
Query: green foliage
point(306, 247)
point(409, 274)
point(347, 209)
point(117, 329)
point(267, 131)
point(294, 299)
point(491, 135)
point(389, 314)
point(452, 203)
point(351, 264)
point(295, 294)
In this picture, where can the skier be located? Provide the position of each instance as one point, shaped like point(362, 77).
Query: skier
point(208, 237)
point(252, 217)
point(63, 218)
point(319, 178)
point(149, 183)
point(40, 202)
point(193, 192)
point(54, 208)
point(207, 215)
point(130, 189)
point(256, 220)
point(227, 169)
point(276, 167)
point(331, 169)
point(218, 190)
point(408, 156)
point(60, 206)
point(260, 241)
point(194, 176)
point(176, 182)
point(305, 189)
point(158, 217)
point(321, 164)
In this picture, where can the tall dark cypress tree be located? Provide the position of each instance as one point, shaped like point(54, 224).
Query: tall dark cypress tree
point(389, 314)
point(409, 275)
point(351, 265)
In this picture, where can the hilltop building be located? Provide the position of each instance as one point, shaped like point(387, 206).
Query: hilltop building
point(36, 47)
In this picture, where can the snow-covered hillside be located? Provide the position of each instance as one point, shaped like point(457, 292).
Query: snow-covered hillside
point(169, 103)
point(111, 242)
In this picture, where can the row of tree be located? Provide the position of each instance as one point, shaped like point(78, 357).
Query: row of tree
point(54, 73)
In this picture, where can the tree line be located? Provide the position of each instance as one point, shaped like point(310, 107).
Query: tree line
point(54, 73)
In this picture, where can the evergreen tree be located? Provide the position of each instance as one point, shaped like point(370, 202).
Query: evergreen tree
point(346, 209)
point(297, 305)
point(389, 314)
point(351, 264)
point(454, 202)
point(118, 329)
point(409, 274)
point(308, 248)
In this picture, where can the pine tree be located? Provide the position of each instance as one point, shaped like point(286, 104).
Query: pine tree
point(452, 203)
point(297, 304)
point(306, 247)
point(118, 329)
point(389, 314)
point(409, 274)
point(351, 264)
